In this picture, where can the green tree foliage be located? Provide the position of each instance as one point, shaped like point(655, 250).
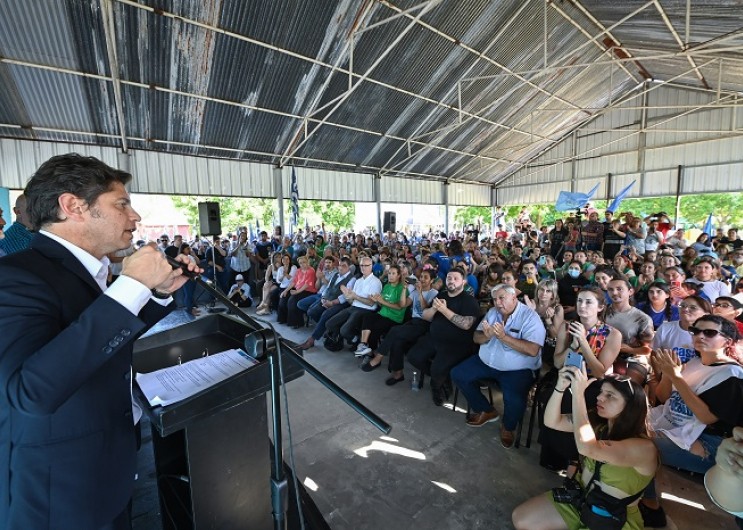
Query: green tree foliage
point(336, 215)
point(466, 215)
point(234, 211)
point(237, 211)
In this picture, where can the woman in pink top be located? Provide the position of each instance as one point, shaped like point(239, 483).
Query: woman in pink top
point(301, 286)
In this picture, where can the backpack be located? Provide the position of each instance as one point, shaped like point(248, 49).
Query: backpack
point(333, 343)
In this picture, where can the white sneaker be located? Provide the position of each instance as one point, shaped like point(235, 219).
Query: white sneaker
point(362, 349)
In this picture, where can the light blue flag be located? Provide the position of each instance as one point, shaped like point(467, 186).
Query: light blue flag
point(295, 198)
point(572, 201)
point(708, 227)
point(614, 206)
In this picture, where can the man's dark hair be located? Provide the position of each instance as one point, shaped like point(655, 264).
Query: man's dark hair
point(460, 271)
point(84, 177)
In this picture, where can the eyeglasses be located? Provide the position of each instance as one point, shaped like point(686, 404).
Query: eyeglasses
point(684, 307)
point(709, 333)
point(365, 264)
point(723, 305)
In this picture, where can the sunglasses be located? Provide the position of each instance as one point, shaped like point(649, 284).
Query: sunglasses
point(622, 379)
point(709, 333)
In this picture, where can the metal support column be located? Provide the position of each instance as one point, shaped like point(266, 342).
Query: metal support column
point(445, 195)
point(278, 188)
point(378, 200)
point(679, 181)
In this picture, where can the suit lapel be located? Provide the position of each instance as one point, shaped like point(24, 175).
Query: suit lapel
point(57, 253)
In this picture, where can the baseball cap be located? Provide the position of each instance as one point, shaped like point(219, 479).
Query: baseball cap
point(239, 277)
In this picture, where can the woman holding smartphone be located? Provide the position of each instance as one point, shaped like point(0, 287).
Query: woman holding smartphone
point(595, 346)
point(617, 457)
point(589, 336)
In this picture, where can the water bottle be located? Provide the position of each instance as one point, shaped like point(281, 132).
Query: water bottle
point(415, 381)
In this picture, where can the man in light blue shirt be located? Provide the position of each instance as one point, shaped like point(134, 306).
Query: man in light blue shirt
point(511, 336)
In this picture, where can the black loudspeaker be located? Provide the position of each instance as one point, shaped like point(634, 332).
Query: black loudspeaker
point(390, 222)
point(210, 223)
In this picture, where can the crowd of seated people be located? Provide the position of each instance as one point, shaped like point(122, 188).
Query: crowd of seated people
point(653, 320)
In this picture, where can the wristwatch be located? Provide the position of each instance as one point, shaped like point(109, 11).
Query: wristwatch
point(160, 295)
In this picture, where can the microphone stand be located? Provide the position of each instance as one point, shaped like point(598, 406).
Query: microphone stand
point(272, 349)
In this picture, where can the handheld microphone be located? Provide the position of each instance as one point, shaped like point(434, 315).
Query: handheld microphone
point(183, 266)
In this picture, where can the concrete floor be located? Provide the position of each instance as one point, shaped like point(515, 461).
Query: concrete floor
point(431, 471)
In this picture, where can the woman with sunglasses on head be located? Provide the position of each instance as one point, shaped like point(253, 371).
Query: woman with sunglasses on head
point(702, 402)
point(659, 306)
point(618, 460)
point(547, 305)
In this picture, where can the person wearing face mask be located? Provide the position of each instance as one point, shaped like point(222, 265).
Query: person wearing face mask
point(569, 285)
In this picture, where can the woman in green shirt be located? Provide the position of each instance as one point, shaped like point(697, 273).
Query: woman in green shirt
point(393, 301)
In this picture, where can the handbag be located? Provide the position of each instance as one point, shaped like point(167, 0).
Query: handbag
point(601, 511)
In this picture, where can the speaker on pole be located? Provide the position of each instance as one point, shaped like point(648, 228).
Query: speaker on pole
point(390, 222)
point(210, 223)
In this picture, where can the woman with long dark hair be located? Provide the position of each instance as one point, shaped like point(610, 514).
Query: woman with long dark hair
point(702, 401)
point(659, 306)
point(618, 459)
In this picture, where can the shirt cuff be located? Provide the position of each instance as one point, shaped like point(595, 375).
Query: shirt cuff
point(132, 294)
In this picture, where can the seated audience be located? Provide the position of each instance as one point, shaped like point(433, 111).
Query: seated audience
point(618, 459)
point(453, 315)
point(393, 301)
point(400, 338)
point(659, 306)
point(239, 293)
point(702, 403)
point(511, 336)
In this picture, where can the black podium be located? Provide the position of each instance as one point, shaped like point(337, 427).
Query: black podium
point(212, 451)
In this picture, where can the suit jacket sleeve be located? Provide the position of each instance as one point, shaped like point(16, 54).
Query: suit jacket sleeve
point(44, 360)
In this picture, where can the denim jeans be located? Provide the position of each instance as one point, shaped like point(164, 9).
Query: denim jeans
point(514, 384)
point(674, 456)
point(304, 304)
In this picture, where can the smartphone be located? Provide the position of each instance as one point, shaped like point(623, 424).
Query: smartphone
point(574, 359)
point(411, 280)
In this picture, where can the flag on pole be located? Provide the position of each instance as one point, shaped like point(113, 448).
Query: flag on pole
point(708, 227)
point(614, 206)
point(295, 198)
point(571, 201)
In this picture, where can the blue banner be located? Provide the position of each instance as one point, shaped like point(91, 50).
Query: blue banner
point(614, 206)
point(708, 227)
point(572, 201)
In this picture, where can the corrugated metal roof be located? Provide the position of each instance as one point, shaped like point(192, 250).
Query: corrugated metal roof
point(454, 89)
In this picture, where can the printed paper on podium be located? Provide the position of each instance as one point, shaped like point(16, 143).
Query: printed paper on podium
point(176, 383)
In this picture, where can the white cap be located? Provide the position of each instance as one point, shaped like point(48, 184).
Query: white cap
point(239, 277)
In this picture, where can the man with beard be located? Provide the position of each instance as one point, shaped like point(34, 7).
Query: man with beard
point(453, 315)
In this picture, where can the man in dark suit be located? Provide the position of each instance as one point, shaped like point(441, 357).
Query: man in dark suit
point(67, 442)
